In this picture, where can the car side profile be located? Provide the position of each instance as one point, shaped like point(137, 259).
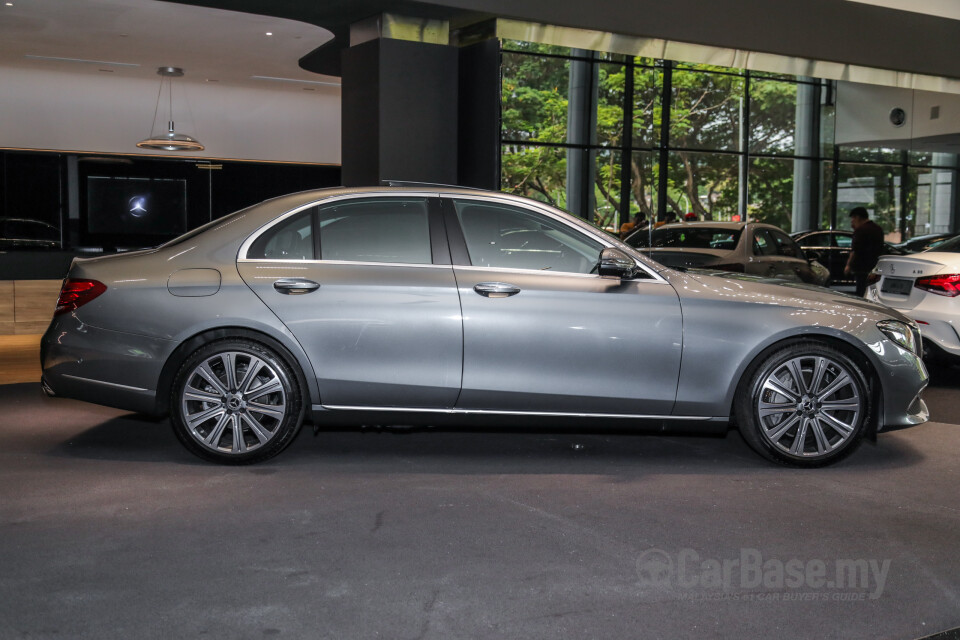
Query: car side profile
point(414, 305)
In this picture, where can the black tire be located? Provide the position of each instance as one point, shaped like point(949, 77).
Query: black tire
point(242, 417)
point(816, 425)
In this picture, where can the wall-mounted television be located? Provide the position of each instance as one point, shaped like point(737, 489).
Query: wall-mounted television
point(134, 209)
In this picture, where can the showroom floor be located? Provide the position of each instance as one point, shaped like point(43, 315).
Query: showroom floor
point(110, 529)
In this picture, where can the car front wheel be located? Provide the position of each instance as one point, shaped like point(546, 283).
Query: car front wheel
point(236, 402)
point(805, 405)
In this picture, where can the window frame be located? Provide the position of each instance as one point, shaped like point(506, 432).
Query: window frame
point(461, 256)
point(439, 247)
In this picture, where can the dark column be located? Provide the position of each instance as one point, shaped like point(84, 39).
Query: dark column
point(479, 115)
point(399, 112)
point(582, 131)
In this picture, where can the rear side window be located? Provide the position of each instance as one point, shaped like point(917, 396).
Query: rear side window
point(291, 239)
point(763, 244)
point(376, 230)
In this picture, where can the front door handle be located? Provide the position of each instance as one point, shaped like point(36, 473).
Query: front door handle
point(295, 286)
point(496, 289)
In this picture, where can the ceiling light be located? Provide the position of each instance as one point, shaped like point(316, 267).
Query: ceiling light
point(269, 33)
point(169, 140)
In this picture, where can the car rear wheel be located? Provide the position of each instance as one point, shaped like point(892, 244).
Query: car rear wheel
point(236, 402)
point(804, 405)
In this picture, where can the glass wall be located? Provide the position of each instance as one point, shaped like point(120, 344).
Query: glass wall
point(611, 137)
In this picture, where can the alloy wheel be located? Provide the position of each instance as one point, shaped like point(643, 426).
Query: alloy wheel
point(233, 402)
point(809, 406)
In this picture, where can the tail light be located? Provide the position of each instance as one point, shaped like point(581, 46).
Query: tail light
point(731, 266)
point(75, 293)
point(873, 277)
point(944, 285)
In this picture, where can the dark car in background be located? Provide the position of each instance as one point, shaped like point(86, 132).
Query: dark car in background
point(745, 247)
point(21, 233)
point(924, 242)
point(832, 250)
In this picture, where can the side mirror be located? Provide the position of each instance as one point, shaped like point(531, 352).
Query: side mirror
point(617, 264)
point(812, 255)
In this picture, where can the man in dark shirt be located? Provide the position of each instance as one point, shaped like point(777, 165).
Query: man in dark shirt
point(866, 247)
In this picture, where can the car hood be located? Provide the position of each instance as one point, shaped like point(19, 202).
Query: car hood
point(770, 291)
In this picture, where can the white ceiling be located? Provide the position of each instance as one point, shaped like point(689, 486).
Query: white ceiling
point(138, 36)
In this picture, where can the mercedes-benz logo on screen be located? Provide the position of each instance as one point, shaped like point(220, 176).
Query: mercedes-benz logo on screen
point(137, 206)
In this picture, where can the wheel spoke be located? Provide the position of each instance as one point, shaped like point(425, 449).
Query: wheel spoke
point(274, 411)
point(197, 419)
point(773, 384)
point(767, 409)
point(817, 378)
point(239, 446)
point(776, 433)
point(798, 442)
point(794, 368)
point(250, 375)
point(192, 393)
point(217, 432)
point(853, 404)
point(264, 389)
point(258, 429)
point(207, 374)
point(823, 444)
point(841, 381)
point(842, 428)
point(229, 362)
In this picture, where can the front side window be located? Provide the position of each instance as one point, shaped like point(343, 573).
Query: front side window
point(501, 236)
point(395, 230)
point(763, 244)
point(785, 245)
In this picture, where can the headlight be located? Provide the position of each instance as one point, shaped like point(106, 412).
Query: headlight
point(903, 334)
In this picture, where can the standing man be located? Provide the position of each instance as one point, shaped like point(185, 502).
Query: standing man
point(866, 247)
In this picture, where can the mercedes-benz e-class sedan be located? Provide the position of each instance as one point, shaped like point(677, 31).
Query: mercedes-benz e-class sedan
point(425, 305)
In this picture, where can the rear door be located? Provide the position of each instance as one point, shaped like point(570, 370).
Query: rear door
point(542, 332)
point(366, 286)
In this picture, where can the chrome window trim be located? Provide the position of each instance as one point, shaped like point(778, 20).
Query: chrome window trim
point(245, 247)
point(567, 274)
point(548, 211)
point(282, 264)
point(491, 198)
point(491, 412)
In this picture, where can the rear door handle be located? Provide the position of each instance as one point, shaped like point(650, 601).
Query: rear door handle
point(295, 286)
point(496, 289)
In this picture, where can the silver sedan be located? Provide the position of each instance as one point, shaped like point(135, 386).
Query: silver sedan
point(429, 306)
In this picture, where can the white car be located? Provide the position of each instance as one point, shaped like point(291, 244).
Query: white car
point(926, 287)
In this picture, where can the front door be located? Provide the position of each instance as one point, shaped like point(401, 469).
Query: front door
point(543, 334)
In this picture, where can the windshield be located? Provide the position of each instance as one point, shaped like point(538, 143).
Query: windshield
point(688, 238)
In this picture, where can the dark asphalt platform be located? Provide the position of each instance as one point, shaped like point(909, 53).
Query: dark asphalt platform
point(109, 529)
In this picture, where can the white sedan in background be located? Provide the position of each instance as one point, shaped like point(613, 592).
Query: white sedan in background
point(926, 287)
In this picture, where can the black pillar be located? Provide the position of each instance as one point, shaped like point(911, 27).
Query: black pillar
point(479, 114)
point(399, 112)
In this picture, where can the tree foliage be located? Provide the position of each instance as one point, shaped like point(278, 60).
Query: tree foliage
point(703, 147)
